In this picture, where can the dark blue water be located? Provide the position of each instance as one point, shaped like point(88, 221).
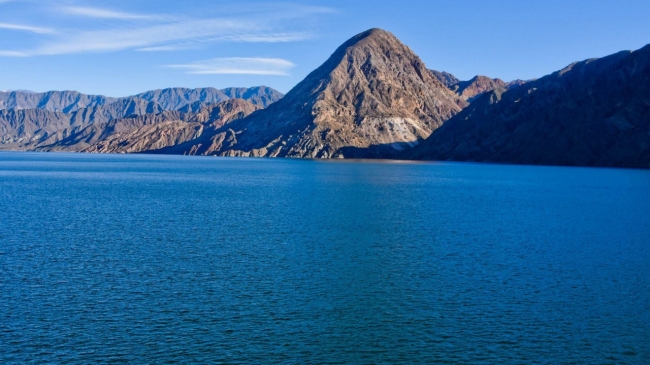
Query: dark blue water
point(148, 259)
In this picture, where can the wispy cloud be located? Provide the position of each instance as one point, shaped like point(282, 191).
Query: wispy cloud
point(26, 28)
point(157, 33)
point(12, 54)
point(238, 66)
point(170, 48)
point(105, 13)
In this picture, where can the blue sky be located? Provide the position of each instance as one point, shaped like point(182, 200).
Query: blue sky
point(119, 47)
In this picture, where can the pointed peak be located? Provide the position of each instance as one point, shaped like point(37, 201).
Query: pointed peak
point(371, 34)
point(376, 32)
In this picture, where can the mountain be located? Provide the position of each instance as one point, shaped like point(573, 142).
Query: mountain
point(591, 113)
point(27, 128)
point(371, 98)
point(30, 121)
point(56, 101)
point(477, 86)
point(260, 95)
point(168, 99)
point(91, 134)
point(155, 135)
point(178, 97)
point(446, 78)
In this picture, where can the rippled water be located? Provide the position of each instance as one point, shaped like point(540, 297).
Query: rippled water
point(154, 259)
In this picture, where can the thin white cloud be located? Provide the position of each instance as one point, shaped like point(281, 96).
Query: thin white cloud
point(161, 49)
point(26, 28)
point(238, 66)
point(104, 13)
point(173, 33)
point(130, 38)
point(12, 54)
point(267, 38)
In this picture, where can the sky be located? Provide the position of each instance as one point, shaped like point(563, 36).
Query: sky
point(120, 47)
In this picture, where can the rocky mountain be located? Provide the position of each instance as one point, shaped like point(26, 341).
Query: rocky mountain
point(55, 101)
point(38, 127)
point(82, 138)
point(260, 95)
point(154, 135)
point(591, 113)
point(27, 128)
point(177, 97)
point(168, 99)
point(446, 78)
point(477, 86)
point(371, 98)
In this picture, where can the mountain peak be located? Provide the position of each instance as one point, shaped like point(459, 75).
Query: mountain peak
point(373, 34)
point(373, 96)
point(374, 38)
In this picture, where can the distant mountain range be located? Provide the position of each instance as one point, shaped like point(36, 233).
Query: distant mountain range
point(70, 121)
point(373, 98)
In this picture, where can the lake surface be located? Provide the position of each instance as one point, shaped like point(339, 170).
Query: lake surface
point(157, 259)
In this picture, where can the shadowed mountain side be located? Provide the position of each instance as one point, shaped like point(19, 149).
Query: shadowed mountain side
point(591, 113)
point(372, 91)
point(160, 133)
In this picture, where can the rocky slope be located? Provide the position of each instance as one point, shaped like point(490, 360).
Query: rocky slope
point(153, 132)
point(27, 128)
point(591, 113)
point(44, 129)
point(371, 98)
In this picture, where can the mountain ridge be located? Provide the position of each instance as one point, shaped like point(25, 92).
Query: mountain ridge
point(594, 112)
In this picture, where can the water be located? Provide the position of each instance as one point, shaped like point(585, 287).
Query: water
point(155, 259)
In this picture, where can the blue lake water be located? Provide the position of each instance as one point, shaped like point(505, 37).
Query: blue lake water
point(156, 259)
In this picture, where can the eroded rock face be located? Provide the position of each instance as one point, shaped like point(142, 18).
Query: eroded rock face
point(371, 98)
point(591, 113)
point(164, 131)
point(31, 128)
